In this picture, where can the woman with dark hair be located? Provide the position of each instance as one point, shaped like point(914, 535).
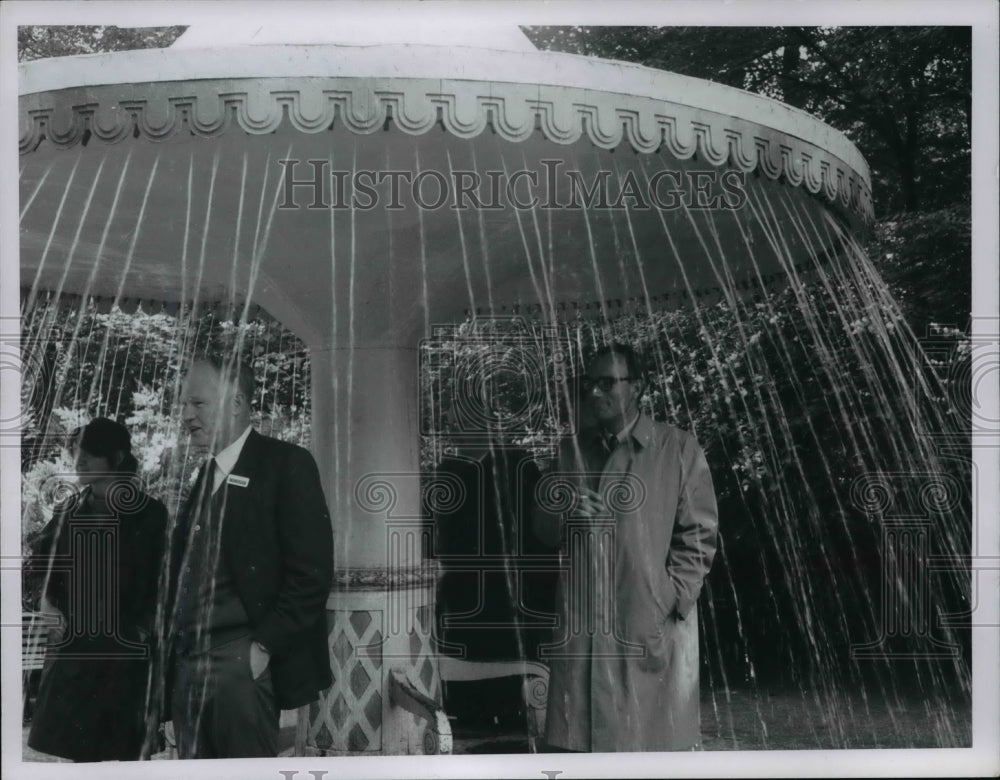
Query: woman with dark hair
point(101, 554)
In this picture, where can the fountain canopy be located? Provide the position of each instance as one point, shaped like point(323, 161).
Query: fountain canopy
point(362, 189)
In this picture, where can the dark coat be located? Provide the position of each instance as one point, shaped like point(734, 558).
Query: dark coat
point(91, 702)
point(632, 684)
point(277, 540)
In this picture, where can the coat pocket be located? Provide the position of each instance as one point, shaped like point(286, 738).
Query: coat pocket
point(659, 646)
point(666, 597)
point(642, 608)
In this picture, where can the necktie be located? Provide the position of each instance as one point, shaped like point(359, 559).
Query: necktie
point(215, 473)
point(202, 490)
point(612, 443)
point(197, 558)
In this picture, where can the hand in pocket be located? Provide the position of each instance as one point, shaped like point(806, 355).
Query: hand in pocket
point(259, 659)
point(657, 649)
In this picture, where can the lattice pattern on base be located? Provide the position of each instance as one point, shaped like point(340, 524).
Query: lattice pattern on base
point(423, 663)
point(348, 715)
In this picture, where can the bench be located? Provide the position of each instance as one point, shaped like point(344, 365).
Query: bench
point(34, 639)
point(534, 685)
point(35, 628)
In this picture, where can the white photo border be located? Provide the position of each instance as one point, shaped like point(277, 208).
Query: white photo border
point(983, 758)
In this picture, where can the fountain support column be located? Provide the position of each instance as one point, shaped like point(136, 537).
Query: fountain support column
point(381, 608)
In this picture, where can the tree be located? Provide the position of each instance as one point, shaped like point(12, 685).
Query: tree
point(38, 42)
point(903, 95)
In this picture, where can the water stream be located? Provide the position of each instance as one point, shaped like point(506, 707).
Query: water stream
point(821, 417)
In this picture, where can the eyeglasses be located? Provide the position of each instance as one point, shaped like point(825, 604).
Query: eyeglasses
point(602, 383)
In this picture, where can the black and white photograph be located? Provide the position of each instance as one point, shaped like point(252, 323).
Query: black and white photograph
point(404, 389)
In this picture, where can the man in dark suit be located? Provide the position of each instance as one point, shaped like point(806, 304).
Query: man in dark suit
point(251, 567)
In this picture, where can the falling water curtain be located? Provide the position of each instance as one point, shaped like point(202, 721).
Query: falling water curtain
point(85, 357)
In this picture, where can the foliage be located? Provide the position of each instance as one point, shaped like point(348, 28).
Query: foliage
point(88, 363)
point(925, 258)
point(903, 95)
point(37, 498)
point(38, 42)
point(495, 380)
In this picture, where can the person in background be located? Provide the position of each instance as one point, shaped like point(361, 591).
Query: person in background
point(624, 667)
point(251, 566)
point(101, 555)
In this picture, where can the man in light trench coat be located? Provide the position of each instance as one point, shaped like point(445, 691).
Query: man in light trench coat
point(637, 541)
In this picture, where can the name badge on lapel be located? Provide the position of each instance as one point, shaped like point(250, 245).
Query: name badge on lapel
point(237, 480)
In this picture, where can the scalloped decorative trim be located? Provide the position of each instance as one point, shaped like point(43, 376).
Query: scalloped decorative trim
point(385, 578)
point(466, 109)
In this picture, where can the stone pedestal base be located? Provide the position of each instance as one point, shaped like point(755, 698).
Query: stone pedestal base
point(379, 635)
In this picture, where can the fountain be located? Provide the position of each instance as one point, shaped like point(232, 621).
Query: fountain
point(364, 190)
